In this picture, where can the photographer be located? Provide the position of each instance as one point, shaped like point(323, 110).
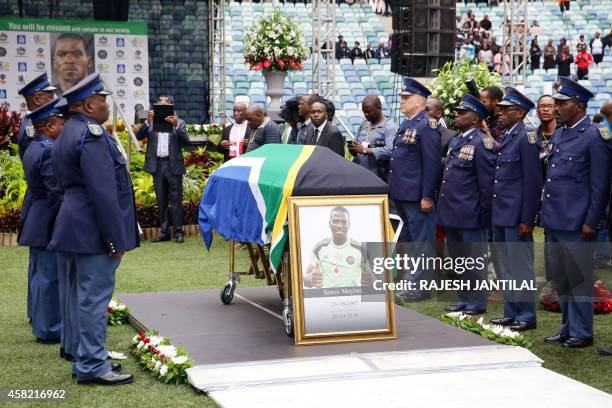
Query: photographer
point(374, 143)
point(164, 160)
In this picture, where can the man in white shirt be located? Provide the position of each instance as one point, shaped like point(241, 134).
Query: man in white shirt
point(164, 160)
point(597, 48)
point(236, 136)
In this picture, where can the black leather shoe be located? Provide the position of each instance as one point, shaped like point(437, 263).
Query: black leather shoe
point(556, 339)
point(475, 312)
point(454, 308)
point(577, 342)
point(114, 368)
point(161, 238)
point(110, 378)
point(523, 326)
point(502, 321)
point(180, 239)
point(604, 351)
point(66, 356)
point(47, 341)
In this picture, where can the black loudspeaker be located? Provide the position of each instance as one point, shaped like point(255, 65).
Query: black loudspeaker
point(424, 35)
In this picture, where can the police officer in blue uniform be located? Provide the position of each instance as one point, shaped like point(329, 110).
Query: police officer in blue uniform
point(95, 226)
point(45, 195)
point(414, 175)
point(574, 199)
point(516, 202)
point(464, 205)
point(36, 93)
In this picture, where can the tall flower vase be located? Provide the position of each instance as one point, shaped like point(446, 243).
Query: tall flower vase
point(275, 85)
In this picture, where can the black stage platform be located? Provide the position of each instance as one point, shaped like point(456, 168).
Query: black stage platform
point(251, 329)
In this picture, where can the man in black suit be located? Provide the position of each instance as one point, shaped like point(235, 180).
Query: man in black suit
point(323, 132)
point(164, 160)
point(235, 137)
point(264, 130)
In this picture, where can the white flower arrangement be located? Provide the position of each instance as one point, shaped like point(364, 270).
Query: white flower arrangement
point(500, 334)
point(275, 44)
point(117, 312)
point(167, 362)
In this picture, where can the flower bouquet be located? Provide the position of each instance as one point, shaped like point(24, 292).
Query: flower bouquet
point(275, 44)
point(9, 125)
point(155, 353)
point(499, 334)
point(117, 312)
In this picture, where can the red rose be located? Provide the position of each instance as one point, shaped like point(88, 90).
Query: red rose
point(300, 67)
point(263, 56)
point(142, 335)
point(162, 356)
point(268, 64)
point(109, 309)
point(259, 66)
point(292, 64)
point(146, 341)
point(281, 64)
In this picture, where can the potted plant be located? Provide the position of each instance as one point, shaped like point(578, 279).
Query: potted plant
point(275, 45)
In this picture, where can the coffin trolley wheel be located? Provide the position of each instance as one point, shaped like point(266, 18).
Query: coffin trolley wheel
point(288, 319)
point(227, 293)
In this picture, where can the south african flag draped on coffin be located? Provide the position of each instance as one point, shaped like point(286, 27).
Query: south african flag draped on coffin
point(246, 198)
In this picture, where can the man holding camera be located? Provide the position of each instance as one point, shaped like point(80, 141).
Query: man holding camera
point(164, 160)
point(374, 143)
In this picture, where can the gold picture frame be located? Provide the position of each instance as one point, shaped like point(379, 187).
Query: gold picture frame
point(319, 316)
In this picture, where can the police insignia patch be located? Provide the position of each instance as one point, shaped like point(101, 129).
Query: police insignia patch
point(488, 143)
point(531, 136)
point(30, 131)
point(433, 123)
point(604, 132)
point(94, 129)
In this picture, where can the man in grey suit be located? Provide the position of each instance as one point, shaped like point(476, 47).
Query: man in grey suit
point(264, 130)
point(323, 132)
point(164, 160)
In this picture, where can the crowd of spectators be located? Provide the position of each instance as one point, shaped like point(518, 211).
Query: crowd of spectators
point(344, 52)
point(475, 41)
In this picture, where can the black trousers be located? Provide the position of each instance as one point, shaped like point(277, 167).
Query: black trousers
point(169, 194)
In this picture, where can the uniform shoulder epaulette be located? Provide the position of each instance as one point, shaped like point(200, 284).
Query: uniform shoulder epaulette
point(604, 132)
point(532, 137)
point(433, 123)
point(354, 242)
point(320, 245)
point(46, 143)
point(95, 129)
point(30, 131)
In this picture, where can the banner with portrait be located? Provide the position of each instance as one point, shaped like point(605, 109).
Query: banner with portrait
point(69, 50)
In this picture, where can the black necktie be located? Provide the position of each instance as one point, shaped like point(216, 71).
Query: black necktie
point(315, 137)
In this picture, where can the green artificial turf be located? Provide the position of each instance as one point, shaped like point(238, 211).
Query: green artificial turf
point(170, 267)
point(153, 267)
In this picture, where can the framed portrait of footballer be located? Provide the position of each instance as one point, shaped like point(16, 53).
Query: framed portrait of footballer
point(338, 293)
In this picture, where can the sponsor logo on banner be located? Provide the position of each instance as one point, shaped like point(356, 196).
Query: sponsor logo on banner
point(121, 80)
point(138, 68)
point(21, 39)
point(20, 51)
point(138, 107)
point(102, 54)
point(138, 42)
point(40, 39)
point(120, 93)
point(2, 79)
point(103, 68)
point(121, 68)
point(102, 40)
point(20, 79)
point(41, 66)
point(5, 66)
point(139, 94)
point(22, 66)
point(138, 54)
point(119, 53)
point(120, 42)
point(3, 37)
point(138, 81)
point(122, 106)
point(40, 53)
point(3, 93)
point(2, 52)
